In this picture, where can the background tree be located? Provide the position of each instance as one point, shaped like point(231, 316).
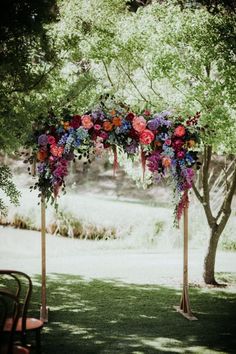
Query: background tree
point(165, 56)
point(157, 55)
point(26, 56)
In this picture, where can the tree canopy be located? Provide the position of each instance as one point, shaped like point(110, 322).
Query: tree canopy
point(27, 54)
point(160, 55)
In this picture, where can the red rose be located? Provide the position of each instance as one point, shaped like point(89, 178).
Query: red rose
point(146, 137)
point(179, 131)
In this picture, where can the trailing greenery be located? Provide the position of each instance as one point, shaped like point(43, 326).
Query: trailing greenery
point(8, 188)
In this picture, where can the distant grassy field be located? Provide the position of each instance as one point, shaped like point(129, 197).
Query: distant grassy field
point(112, 317)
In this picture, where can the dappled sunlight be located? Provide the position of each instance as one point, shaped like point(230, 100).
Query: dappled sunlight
point(73, 329)
point(165, 344)
point(110, 316)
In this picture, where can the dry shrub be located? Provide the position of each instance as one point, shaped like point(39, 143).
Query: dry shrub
point(67, 225)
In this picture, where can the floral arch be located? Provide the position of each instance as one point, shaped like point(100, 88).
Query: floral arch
point(166, 144)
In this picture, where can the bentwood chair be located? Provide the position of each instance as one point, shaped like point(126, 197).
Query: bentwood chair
point(21, 287)
point(9, 308)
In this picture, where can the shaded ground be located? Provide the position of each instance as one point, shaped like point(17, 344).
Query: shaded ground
point(121, 301)
point(114, 317)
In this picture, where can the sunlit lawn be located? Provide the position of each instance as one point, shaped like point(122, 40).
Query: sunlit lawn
point(111, 317)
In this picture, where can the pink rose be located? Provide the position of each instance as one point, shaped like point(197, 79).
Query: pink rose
point(139, 124)
point(179, 131)
point(97, 126)
point(146, 137)
point(180, 154)
point(51, 140)
point(168, 142)
point(86, 121)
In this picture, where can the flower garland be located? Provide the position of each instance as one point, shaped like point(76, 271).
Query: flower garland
point(166, 144)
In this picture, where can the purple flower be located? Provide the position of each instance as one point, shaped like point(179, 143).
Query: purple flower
point(165, 114)
point(41, 167)
point(153, 124)
point(160, 120)
point(132, 148)
point(153, 161)
point(97, 115)
point(43, 139)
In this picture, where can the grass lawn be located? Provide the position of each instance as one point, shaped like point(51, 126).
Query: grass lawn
point(98, 316)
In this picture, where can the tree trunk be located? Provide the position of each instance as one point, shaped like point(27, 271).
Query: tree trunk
point(217, 222)
point(209, 261)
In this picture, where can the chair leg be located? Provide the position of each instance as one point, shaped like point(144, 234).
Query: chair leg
point(38, 341)
point(23, 338)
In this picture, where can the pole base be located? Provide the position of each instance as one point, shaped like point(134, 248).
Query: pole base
point(44, 314)
point(187, 315)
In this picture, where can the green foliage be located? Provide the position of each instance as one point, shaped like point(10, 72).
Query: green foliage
point(8, 188)
point(161, 56)
point(27, 56)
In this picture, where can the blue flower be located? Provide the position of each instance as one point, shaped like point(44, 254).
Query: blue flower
point(63, 139)
point(124, 127)
point(81, 133)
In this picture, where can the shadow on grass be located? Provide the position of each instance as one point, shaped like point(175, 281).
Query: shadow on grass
point(90, 317)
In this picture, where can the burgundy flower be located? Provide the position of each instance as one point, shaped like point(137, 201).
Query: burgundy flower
point(103, 135)
point(130, 116)
point(76, 122)
point(134, 134)
point(177, 144)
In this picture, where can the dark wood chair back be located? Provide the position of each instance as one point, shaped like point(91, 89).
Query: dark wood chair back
point(9, 308)
point(19, 284)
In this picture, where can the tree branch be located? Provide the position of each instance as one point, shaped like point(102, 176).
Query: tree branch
point(205, 179)
point(148, 76)
point(133, 83)
point(197, 193)
point(107, 72)
point(226, 207)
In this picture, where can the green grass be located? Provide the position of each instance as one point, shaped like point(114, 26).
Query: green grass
point(96, 316)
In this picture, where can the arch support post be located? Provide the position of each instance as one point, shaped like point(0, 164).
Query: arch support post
point(184, 308)
point(44, 308)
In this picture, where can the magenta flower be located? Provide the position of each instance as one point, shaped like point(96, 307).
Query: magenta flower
point(153, 161)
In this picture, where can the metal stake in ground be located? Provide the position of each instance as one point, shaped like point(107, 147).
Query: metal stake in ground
point(43, 309)
point(184, 307)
